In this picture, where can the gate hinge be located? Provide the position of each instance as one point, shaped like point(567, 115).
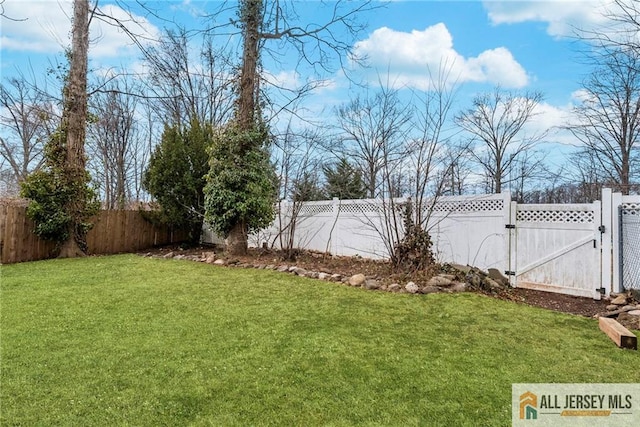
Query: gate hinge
point(510, 273)
point(602, 229)
point(601, 290)
point(510, 226)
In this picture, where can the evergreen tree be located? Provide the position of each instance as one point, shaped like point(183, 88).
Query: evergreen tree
point(306, 188)
point(176, 176)
point(344, 181)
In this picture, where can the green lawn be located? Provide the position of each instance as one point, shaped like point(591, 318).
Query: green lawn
point(125, 340)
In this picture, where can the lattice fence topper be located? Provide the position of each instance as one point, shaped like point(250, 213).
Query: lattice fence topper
point(478, 205)
point(361, 208)
point(630, 209)
point(556, 216)
point(315, 209)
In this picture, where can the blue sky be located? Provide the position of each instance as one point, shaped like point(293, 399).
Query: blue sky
point(518, 45)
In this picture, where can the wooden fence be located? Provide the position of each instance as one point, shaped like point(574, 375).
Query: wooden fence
point(113, 232)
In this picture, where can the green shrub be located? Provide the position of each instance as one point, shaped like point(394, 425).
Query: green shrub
point(241, 181)
point(59, 202)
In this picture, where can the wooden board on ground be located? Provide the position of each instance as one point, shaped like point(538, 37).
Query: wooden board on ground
point(618, 333)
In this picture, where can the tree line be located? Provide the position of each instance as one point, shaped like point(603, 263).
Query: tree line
point(201, 132)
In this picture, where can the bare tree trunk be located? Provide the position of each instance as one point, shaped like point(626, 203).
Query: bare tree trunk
point(236, 241)
point(75, 117)
point(252, 16)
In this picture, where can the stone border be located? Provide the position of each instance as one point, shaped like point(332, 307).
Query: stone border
point(454, 278)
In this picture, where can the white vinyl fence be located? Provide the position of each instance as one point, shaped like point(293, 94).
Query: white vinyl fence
point(574, 249)
point(467, 230)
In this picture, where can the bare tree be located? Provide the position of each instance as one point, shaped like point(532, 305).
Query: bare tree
point(433, 157)
point(373, 130)
point(607, 121)
point(298, 163)
point(114, 144)
point(184, 88)
point(527, 171)
point(429, 159)
point(497, 120)
point(28, 116)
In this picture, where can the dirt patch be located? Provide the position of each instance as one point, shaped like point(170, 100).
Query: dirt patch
point(559, 302)
point(382, 272)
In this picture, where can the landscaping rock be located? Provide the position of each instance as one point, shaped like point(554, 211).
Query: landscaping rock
point(292, 269)
point(474, 280)
point(219, 261)
point(612, 307)
point(394, 287)
point(430, 290)
point(634, 313)
point(357, 279)
point(336, 277)
point(491, 285)
point(619, 300)
point(629, 321)
point(168, 255)
point(324, 276)
point(441, 280)
point(283, 268)
point(464, 269)
point(458, 287)
point(299, 271)
point(371, 284)
point(497, 276)
point(412, 288)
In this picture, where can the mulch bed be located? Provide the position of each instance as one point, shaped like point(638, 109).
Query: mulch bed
point(381, 271)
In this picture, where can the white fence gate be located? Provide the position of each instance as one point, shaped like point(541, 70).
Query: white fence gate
point(556, 248)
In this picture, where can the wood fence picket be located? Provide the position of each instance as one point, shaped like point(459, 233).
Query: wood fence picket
point(113, 232)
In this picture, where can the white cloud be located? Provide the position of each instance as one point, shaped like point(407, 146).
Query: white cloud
point(408, 57)
point(563, 17)
point(288, 80)
point(552, 119)
point(45, 26)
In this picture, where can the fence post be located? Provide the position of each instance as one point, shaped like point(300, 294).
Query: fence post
point(506, 214)
point(606, 222)
point(616, 202)
point(334, 230)
point(597, 244)
point(512, 235)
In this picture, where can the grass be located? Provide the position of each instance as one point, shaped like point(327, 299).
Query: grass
point(125, 340)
